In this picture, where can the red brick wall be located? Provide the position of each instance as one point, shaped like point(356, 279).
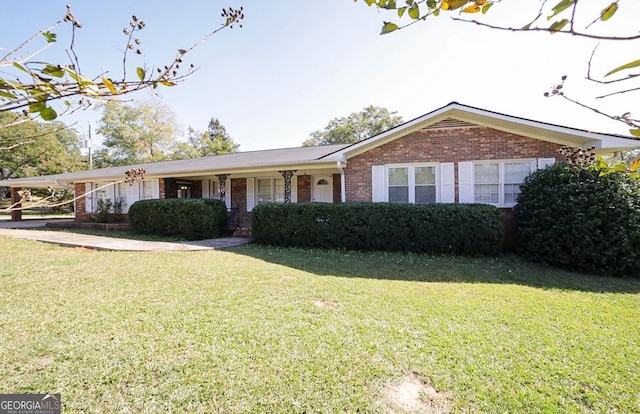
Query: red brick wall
point(239, 200)
point(162, 188)
point(81, 203)
point(446, 145)
point(304, 188)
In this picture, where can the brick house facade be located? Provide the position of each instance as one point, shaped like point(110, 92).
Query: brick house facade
point(455, 154)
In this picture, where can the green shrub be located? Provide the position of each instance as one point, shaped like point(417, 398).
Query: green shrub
point(571, 217)
point(191, 219)
point(468, 229)
point(107, 210)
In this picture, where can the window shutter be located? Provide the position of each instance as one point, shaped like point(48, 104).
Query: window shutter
point(545, 162)
point(465, 182)
point(88, 198)
point(251, 198)
point(294, 189)
point(206, 189)
point(227, 193)
point(447, 183)
point(155, 188)
point(378, 187)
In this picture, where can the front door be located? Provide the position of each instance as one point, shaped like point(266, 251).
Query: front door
point(322, 191)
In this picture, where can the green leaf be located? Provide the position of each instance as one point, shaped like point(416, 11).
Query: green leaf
point(369, 2)
point(557, 26)
point(409, 2)
point(50, 36)
point(629, 65)
point(486, 8)
point(53, 71)
point(37, 107)
point(7, 95)
point(609, 11)
point(390, 5)
point(19, 66)
point(388, 27)
point(48, 114)
point(432, 4)
point(141, 73)
point(401, 11)
point(560, 7)
point(414, 11)
point(436, 12)
point(635, 132)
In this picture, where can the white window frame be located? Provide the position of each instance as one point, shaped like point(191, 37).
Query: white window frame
point(273, 196)
point(501, 177)
point(412, 179)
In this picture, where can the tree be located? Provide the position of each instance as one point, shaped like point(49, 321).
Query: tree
point(138, 133)
point(213, 142)
point(33, 88)
point(36, 148)
point(559, 17)
point(371, 121)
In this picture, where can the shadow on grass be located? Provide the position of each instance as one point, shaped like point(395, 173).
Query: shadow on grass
point(427, 268)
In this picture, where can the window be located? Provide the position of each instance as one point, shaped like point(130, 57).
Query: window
point(270, 190)
point(121, 195)
point(147, 190)
point(412, 184)
point(498, 183)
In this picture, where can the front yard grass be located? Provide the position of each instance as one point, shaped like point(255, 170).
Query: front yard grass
point(260, 329)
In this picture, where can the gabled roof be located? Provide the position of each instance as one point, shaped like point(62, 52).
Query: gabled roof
point(451, 115)
point(604, 143)
point(250, 161)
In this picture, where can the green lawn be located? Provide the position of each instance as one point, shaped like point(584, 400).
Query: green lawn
point(260, 329)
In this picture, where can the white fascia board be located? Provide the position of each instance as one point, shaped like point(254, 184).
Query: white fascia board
point(524, 127)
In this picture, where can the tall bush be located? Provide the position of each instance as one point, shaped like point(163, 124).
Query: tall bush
point(434, 228)
point(570, 216)
point(190, 219)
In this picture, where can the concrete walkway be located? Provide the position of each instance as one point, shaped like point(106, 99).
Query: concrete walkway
point(22, 230)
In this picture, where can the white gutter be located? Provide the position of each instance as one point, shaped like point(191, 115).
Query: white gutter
point(67, 186)
point(343, 183)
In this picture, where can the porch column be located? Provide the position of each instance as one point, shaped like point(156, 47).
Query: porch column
point(287, 174)
point(222, 179)
point(16, 215)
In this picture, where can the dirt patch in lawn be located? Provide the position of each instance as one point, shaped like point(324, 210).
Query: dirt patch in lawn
point(414, 395)
point(322, 303)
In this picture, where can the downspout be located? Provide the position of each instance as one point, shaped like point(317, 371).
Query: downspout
point(343, 193)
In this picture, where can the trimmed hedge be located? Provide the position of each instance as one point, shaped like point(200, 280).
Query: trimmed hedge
point(191, 219)
point(571, 217)
point(465, 229)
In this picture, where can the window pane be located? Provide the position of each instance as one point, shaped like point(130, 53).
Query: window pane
point(487, 193)
point(425, 194)
point(399, 194)
point(264, 186)
point(487, 173)
point(425, 175)
point(511, 192)
point(515, 172)
point(399, 176)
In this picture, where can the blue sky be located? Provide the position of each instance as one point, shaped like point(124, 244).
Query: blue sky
point(295, 65)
